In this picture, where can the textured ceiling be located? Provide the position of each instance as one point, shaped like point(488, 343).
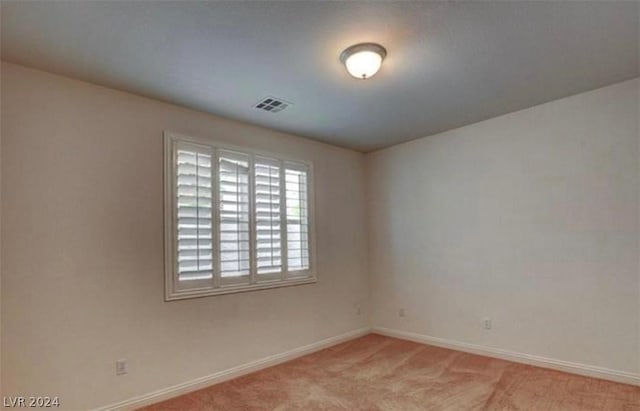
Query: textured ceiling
point(449, 63)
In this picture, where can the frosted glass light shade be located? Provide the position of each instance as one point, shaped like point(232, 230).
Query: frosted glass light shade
point(363, 60)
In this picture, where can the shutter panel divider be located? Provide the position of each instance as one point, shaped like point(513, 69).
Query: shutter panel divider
point(253, 253)
point(174, 213)
point(235, 218)
point(283, 221)
point(214, 220)
point(192, 229)
point(296, 179)
point(268, 218)
point(215, 187)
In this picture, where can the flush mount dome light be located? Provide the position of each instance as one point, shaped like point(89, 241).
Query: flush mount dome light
point(363, 60)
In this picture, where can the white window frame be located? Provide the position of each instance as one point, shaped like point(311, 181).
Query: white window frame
point(174, 290)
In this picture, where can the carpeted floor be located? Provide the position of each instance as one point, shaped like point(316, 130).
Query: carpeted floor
point(382, 373)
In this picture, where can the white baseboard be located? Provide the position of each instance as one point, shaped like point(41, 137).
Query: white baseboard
point(231, 373)
point(221, 376)
point(559, 365)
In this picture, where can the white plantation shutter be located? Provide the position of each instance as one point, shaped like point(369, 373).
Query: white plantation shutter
point(233, 180)
point(267, 180)
point(194, 214)
point(234, 220)
point(297, 205)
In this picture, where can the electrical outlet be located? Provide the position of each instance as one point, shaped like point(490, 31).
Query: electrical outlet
point(121, 367)
point(401, 312)
point(486, 323)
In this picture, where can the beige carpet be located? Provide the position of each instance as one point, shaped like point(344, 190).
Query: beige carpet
point(382, 373)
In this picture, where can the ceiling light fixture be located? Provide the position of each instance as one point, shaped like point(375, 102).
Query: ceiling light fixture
point(363, 60)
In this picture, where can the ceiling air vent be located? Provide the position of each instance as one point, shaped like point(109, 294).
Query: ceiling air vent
point(272, 104)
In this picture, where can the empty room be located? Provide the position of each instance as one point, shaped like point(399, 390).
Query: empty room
point(320, 205)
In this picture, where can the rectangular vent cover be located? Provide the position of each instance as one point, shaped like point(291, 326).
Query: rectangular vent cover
point(272, 104)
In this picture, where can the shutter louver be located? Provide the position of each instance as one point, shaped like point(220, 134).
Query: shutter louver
point(267, 216)
point(233, 179)
point(297, 219)
point(193, 215)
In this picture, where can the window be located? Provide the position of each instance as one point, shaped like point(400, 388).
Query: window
point(235, 220)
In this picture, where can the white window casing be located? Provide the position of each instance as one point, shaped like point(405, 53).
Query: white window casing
point(236, 219)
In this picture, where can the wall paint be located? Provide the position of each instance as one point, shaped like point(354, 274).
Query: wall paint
point(83, 255)
point(1, 132)
point(531, 219)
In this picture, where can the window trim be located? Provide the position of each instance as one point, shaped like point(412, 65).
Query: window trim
point(216, 287)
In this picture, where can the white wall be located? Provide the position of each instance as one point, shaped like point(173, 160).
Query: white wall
point(83, 255)
point(1, 131)
point(531, 219)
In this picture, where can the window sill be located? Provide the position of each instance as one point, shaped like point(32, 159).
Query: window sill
point(232, 289)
